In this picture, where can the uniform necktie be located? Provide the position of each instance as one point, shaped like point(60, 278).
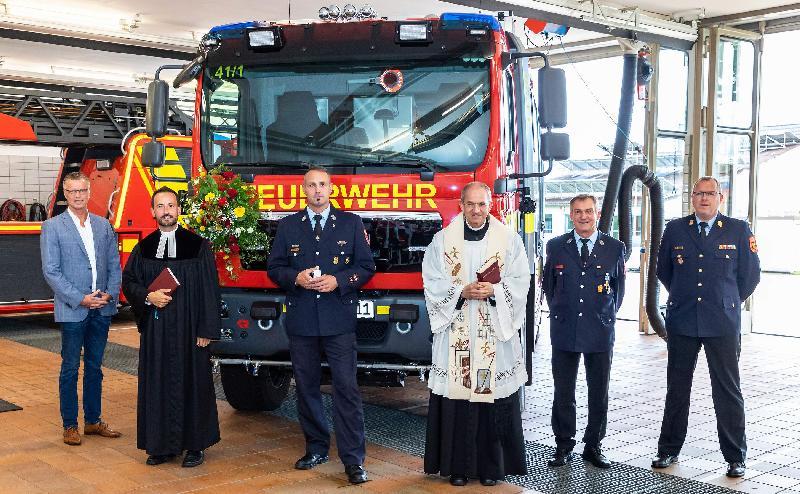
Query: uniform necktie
point(703, 230)
point(317, 225)
point(585, 250)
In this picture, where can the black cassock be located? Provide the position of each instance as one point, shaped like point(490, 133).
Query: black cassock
point(177, 408)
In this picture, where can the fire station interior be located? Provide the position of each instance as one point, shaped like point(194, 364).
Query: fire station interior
point(680, 89)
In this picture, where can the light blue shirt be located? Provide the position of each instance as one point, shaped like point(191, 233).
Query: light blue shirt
point(710, 223)
point(324, 214)
point(590, 244)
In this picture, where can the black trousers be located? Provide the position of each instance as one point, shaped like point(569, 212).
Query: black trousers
point(565, 374)
point(348, 414)
point(722, 354)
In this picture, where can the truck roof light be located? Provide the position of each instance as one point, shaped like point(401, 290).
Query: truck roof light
point(265, 39)
point(349, 11)
point(334, 12)
point(450, 20)
point(366, 12)
point(324, 13)
point(413, 32)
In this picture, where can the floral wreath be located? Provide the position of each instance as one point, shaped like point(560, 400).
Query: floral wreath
point(222, 208)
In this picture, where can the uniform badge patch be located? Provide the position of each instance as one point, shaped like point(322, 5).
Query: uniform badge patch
point(677, 247)
point(347, 260)
point(599, 288)
point(342, 243)
point(753, 245)
point(353, 279)
point(719, 223)
point(679, 259)
point(336, 259)
point(559, 266)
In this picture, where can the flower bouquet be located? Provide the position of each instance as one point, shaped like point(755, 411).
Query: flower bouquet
point(223, 209)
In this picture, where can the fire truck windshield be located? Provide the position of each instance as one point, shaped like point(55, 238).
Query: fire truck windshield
point(372, 115)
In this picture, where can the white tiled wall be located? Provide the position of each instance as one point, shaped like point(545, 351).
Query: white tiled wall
point(28, 173)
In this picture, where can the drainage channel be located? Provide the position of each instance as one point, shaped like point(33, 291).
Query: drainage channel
point(405, 432)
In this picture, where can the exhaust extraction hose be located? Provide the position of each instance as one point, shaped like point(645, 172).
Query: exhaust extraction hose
point(626, 96)
point(653, 185)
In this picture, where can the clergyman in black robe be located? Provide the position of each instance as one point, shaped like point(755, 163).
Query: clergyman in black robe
point(176, 407)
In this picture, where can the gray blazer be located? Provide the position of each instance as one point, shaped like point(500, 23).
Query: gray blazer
point(66, 267)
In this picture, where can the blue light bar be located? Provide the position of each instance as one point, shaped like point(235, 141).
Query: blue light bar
point(234, 27)
point(451, 20)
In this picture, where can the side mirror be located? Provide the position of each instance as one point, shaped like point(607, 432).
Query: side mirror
point(552, 97)
point(157, 105)
point(189, 71)
point(555, 146)
point(153, 153)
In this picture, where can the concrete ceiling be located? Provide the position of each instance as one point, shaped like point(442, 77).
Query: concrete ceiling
point(178, 25)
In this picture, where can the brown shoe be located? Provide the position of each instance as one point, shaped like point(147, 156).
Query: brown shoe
point(101, 429)
point(72, 436)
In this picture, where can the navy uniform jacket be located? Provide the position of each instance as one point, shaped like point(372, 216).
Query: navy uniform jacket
point(584, 301)
point(707, 282)
point(342, 251)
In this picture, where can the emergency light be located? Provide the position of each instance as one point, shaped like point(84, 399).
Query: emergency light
point(265, 39)
point(413, 32)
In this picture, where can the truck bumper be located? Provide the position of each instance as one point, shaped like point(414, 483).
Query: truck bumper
point(379, 339)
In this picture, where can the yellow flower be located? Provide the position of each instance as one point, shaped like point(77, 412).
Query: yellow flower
point(210, 196)
point(239, 211)
point(202, 228)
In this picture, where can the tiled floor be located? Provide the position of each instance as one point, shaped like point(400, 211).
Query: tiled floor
point(256, 454)
point(258, 450)
point(770, 384)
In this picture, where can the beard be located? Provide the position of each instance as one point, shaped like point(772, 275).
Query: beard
point(167, 220)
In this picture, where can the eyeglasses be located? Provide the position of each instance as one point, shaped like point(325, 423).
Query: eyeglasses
point(75, 192)
point(701, 193)
point(475, 205)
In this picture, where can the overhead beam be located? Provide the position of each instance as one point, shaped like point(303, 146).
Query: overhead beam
point(753, 16)
point(151, 46)
point(589, 16)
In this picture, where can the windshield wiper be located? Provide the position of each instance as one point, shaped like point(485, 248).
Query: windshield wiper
point(276, 164)
point(409, 162)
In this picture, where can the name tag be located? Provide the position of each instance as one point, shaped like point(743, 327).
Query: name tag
point(727, 247)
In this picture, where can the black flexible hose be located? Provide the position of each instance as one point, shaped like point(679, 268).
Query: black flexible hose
point(653, 185)
point(37, 212)
point(626, 95)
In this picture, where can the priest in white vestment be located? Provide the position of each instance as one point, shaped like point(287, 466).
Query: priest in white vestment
point(474, 419)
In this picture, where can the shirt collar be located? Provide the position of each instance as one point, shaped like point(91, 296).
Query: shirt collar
point(78, 220)
point(324, 213)
point(592, 237)
point(710, 222)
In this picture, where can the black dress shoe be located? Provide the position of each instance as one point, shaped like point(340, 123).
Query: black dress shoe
point(664, 460)
point(158, 459)
point(560, 458)
point(458, 480)
point(310, 460)
point(735, 469)
point(488, 482)
point(595, 456)
point(193, 459)
point(355, 474)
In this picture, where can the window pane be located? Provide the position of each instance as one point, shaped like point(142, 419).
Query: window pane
point(732, 167)
point(735, 84)
point(670, 170)
point(673, 82)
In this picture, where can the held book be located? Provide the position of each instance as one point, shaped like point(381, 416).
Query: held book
point(165, 279)
point(491, 274)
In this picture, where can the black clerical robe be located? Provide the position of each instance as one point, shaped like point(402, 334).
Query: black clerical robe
point(176, 407)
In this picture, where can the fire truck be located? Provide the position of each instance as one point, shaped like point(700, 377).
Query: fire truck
point(403, 114)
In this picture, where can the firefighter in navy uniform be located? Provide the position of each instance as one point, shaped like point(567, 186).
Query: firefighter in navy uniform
point(584, 282)
point(320, 258)
point(709, 264)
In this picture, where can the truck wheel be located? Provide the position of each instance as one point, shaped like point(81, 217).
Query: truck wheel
point(255, 393)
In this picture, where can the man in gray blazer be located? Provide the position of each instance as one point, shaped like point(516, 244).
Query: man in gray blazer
point(80, 262)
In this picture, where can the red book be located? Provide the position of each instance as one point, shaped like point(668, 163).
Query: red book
point(165, 279)
point(491, 274)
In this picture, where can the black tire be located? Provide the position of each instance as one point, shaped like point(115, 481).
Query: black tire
point(260, 393)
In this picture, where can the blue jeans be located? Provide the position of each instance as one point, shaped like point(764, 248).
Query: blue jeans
point(90, 335)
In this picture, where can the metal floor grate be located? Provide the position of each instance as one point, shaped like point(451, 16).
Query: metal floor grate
point(405, 432)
